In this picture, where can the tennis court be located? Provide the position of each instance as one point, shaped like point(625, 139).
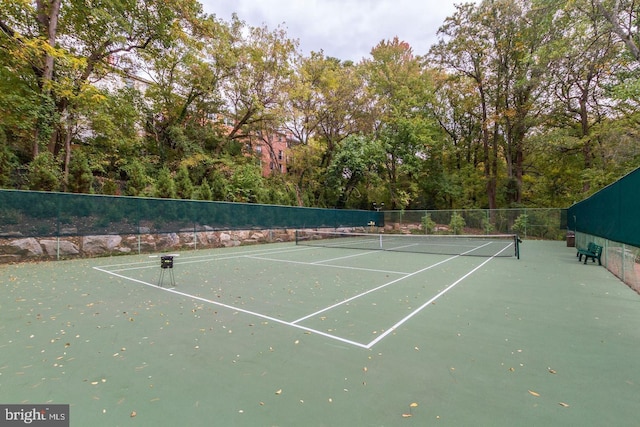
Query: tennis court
point(289, 335)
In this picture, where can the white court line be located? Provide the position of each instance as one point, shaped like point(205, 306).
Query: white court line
point(315, 264)
point(374, 289)
point(422, 307)
point(295, 322)
point(241, 310)
point(344, 257)
point(205, 258)
point(210, 257)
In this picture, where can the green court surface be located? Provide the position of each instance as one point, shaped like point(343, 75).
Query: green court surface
point(283, 335)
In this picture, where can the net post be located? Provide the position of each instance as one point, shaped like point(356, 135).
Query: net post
point(517, 245)
point(296, 237)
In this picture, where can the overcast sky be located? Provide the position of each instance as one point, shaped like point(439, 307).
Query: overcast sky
point(344, 29)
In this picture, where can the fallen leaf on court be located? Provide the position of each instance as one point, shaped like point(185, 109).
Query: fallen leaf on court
point(133, 414)
point(365, 369)
point(413, 405)
point(407, 415)
point(564, 405)
point(279, 391)
point(552, 371)
point(533, 393)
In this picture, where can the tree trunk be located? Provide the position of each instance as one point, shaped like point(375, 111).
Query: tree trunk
point(47, 16)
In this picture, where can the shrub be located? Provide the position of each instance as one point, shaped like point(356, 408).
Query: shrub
point(457, 223)
point(44, 173)
point(520, 224)
point(428, 224)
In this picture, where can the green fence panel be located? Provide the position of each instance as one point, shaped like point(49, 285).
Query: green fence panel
point(43, 214)
point(611, 213)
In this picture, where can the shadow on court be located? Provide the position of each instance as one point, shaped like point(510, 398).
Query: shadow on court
point(279, 335)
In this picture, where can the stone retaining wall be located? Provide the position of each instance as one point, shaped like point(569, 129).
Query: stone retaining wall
point(16, 249)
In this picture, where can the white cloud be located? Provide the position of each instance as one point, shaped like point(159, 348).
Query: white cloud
point(345, 29)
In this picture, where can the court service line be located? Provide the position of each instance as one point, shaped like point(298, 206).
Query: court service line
point(238, 309)
point(374, 289)
point(207, 258)
point(422, 307)
point(345, 257)
point(315, 264)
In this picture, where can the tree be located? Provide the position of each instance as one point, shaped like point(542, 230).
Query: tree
point(183, 184)
point(184, 103)
point(400, 90)
point(8, 161)
point(60, 50)
point(466, 52)
point(500, 46)
point(356, 164)
point(164, 186)
point(203, 192)
point(80, 178)
point(622, 16)
point(326, 103)
point(584, 63)
point(44, 173)
point(259, 67)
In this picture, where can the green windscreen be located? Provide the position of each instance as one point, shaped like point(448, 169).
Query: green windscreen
point(32, 213)
point(611, 213)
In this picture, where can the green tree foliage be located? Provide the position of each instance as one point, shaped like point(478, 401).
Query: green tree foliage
point(183, 184)
point(203, 192)
point(80, 179)
point(8, 161)
point(353, 169)
point(401, 89)
point(136, 178)
point(164, 187)
point(44, 173)
point(246, 185)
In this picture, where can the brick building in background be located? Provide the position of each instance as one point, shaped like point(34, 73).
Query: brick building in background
point(273, 150)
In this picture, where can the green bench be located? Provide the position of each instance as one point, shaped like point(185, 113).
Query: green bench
point(593, 251)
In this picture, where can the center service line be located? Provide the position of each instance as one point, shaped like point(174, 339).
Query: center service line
point(373, 290)
point(419, 309)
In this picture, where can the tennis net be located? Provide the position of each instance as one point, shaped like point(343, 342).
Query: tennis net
point(504, 245)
